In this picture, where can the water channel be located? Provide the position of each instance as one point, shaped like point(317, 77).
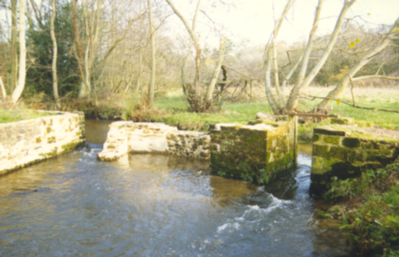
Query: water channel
point(157, 205)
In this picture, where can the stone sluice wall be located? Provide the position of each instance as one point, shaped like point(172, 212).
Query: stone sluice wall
point(343, 152)
point(127, 136)
point(189, 144)
point(256, 153)
point(26, 142)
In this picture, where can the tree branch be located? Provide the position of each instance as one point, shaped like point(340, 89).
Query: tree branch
point(375, 77)
point(312, 98)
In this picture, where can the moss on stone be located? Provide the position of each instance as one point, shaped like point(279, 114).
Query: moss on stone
point(71, 146)
point(51, 140)
point(51, 154)
point(351, 142)
point(335, 140)
point(48, 130)
point(38, 140)
point(320, 150)
point(316, 137)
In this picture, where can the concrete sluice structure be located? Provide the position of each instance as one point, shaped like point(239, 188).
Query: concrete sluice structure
point(256, 153)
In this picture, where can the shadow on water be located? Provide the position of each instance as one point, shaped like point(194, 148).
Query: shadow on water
point(157, 205)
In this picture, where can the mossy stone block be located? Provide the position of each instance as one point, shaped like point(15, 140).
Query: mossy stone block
point(335, 140)
point(338, 153)
point(351, 142)
point(320, 150)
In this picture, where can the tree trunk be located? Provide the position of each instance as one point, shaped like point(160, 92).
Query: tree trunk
point(3, 90)
point(139, 86)
point(193, 94)
point(216, 72)
point(78, 46)
point(13, 50)
point(55, 53)
point(151, 86)
point(22, 54)
point(183, 74)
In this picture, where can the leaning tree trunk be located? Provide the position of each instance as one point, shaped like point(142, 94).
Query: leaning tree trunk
point(193, 94)
point(216, 72)
point(305, 81)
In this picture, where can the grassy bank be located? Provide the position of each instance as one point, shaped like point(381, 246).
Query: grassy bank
point(19, 114)
point(369, 209)
point(173, 110)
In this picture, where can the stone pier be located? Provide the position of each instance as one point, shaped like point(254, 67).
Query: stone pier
point(256, 153)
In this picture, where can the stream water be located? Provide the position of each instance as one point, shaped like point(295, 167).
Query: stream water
point(157, 205)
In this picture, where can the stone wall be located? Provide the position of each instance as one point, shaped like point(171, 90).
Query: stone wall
point(127, 136)
point(344, 152)
point(29, 141)
point(189, 143)
point(256, 153)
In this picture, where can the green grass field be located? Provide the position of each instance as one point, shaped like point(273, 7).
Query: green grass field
point(173, 110)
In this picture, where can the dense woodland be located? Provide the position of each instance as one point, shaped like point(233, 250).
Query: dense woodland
point(90, 49)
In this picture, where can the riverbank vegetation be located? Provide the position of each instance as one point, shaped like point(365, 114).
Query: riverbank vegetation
point(369, 209)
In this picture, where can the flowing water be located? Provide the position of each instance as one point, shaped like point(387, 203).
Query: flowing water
point(157, 205)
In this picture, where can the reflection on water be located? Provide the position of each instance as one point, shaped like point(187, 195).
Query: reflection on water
point(96, 131)
point(157, 205)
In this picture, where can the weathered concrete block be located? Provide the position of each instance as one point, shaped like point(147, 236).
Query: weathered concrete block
point(256, 153)
point(31, 141)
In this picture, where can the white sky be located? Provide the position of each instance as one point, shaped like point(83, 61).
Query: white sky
point(253, 19)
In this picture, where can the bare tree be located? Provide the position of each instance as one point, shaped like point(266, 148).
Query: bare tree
point(92, 46)
point(277, 101)
point(193, 94)
point(349, 76)
point(306, 75)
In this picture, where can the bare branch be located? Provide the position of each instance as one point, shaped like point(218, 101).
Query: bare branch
point(312, 98)
point(375, 77)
